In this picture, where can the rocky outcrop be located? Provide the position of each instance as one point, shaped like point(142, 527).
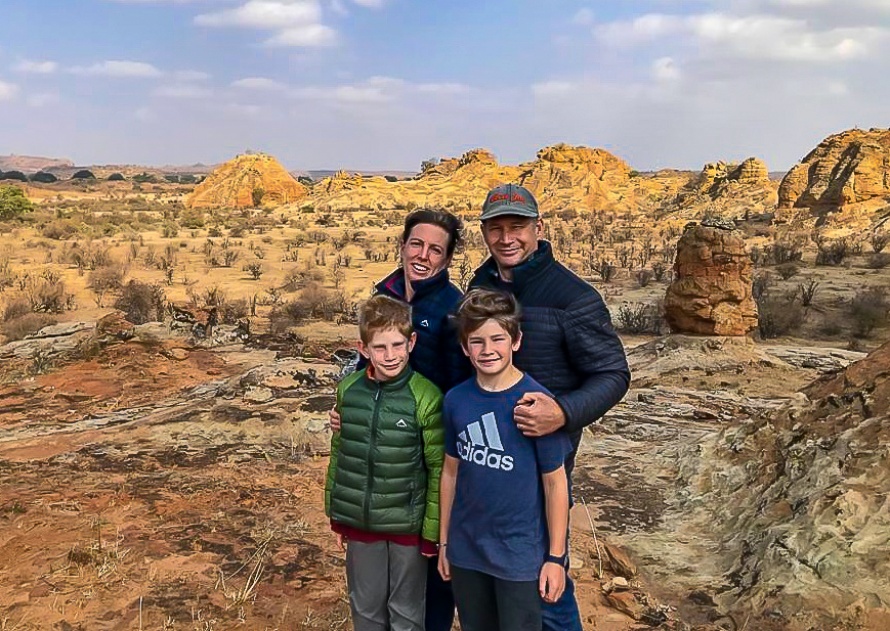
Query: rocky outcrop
point(711, 291)
point(246, 182)
point(802, 495)
point(729, 190)
point(847, 168)
point(562, 176)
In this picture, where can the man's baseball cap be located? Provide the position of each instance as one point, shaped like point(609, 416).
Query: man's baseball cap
point(509, 199)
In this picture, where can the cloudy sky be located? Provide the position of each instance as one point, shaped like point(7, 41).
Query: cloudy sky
point(384, 84)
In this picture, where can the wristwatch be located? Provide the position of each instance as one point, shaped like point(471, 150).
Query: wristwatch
point(561, 560)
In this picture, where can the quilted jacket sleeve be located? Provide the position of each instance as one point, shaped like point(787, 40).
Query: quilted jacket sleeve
point(429, 417)
point(596, 352)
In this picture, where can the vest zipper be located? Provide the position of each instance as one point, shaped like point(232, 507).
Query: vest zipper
point(372, 444)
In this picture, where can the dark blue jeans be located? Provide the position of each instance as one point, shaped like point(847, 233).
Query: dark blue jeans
point(439, 600)
point(563, 615)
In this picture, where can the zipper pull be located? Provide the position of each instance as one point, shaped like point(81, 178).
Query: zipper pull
point(377, 394)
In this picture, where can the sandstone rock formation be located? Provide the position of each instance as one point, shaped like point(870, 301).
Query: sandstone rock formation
point(711, 290)
point(730, 190)
point(848, 173)
point(562, 176)
point(236, 184)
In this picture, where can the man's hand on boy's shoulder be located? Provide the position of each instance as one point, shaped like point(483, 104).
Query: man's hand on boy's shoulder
point(538, 414)
point(334, 419)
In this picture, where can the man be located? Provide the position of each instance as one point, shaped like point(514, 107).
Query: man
point(569, 345)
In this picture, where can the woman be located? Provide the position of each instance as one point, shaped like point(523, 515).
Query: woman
point(427, 246)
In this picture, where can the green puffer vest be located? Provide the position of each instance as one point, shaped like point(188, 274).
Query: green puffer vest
point(386, 460)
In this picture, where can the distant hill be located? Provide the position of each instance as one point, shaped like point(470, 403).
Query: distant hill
point(32, 164)
point(320, 174)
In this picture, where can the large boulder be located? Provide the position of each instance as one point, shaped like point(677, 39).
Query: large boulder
point(711, 293)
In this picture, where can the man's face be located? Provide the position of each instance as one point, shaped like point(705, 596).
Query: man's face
point(425, 253)
point(387, 351)
point(491, 349)
point(511, 239)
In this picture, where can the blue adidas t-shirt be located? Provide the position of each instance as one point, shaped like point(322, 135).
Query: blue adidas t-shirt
point(498, 519)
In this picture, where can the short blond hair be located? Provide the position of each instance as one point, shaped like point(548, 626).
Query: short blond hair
point(380, 313)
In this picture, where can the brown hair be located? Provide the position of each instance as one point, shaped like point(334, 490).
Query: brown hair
point(436, 217)
point(480, 305)
point(382, 312)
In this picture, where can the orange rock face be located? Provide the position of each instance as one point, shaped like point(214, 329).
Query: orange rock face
point(245, 181)
point(847, 168)
point(711, 291)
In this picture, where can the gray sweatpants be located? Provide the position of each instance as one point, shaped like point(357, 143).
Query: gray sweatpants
point(387, 586)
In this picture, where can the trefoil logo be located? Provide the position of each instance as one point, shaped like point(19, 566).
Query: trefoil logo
point(480, 442)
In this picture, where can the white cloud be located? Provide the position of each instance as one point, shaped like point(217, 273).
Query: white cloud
point(8, 91)
point(182, 91)
point(299, 36)
point(371, 91)
point(552, 88)
point(665, 69)
point(371, 4)
point(187, 76)
point(443, 88)
point(36, 67)
point(583, 17)
point(758, 36)
point(42, 100)
point(258, 83)
point(118, 69)
point(265, 14)
point(298, 22)
point(144, 114)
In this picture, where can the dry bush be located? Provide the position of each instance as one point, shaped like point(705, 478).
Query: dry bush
point(779, 315)
point(20, 327)
point(878, 260)
point(232, 311)
point(869, 310)
point(787, 270)
point(16, 308)
point(104, 280)
point(142, 302)
point(640, 318)
point(833, 253)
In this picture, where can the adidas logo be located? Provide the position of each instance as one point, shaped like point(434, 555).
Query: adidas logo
point(472, 445)
point(425, 323)
point(402, 423)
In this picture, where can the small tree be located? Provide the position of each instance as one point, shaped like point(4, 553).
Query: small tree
point(13, 203)
point(15, 175)
point(256, 195)
point(43, 177)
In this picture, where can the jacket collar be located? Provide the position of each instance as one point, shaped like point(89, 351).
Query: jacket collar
point(394, 284)
point(525, 272)
point(392, 384)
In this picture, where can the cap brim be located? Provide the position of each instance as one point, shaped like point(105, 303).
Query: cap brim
point(507, 209)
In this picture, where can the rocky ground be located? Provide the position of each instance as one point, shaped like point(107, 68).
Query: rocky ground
point(169, 483)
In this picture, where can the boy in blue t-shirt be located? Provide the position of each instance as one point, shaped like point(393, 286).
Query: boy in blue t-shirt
point(503, 497)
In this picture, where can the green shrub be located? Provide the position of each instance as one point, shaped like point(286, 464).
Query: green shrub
point(13, 203)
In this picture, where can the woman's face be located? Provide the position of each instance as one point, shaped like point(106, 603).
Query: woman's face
point(425, 252)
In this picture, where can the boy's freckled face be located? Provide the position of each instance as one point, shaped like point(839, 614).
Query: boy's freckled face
point(388, 351)
point(490, 348)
